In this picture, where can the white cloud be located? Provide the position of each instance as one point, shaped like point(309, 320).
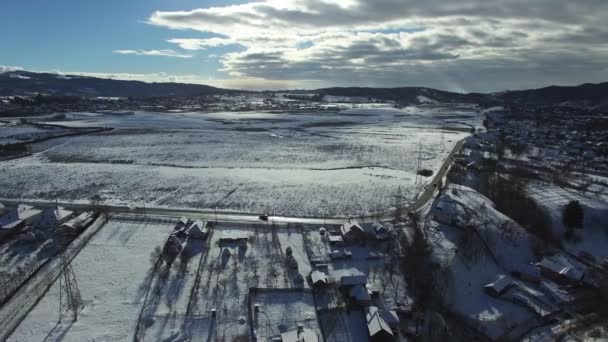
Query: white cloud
point(164, 53)
point(7, 68)
point(479, 45)
point(200, 44)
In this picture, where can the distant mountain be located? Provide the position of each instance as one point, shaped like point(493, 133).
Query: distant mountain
point(408, 94)
point(28, 83)
point(588, 92)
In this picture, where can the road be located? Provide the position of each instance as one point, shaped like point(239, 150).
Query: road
point(223, 216)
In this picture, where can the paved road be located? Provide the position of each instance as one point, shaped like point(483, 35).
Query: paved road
point(222, 216)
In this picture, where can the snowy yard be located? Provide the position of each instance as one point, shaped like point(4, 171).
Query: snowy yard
point(229, 270)
point(594, 235)
point(112, 272)
point(466, 269)
point(282, 311)
point(348, 163)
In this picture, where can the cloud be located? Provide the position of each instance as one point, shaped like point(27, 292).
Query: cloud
point(6, 68)
point(200, 44)
point(165, 53)
point(489, 44)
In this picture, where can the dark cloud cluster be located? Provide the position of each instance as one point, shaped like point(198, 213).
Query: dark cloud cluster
point(467, 45)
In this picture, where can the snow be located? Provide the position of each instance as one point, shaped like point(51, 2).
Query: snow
point(507, 250)
point(292, 163)
point(424, 99)
point(283, 310)
point(594, 235)
point(10, 134)
point(111, 272)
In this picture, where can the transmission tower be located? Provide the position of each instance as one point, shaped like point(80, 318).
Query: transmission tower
point(398, 204)
point(69, 294)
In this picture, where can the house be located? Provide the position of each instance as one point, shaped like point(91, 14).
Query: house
point(53, 217)
point(318, 279)
point(183, 221)
point(352, 232)
point(356, 288)
point(78, 222)
point(11, 228)
point(198, 230)
point(352, 280)
point(560, 270)
point(540, 307)
point(377, 230)
point(300, 334)
point(499, 286)
point(360, 295)
point(21, 212)
point(378, 329)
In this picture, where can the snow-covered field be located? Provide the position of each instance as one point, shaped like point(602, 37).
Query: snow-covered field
point(503, 251)
point(17, 133)
point(111, 272)
point(349, 163)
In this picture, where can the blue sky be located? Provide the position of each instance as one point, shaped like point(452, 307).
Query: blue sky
point(80, 35)
point(468, 45)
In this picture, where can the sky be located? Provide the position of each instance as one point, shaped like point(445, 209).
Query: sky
point(464, 46)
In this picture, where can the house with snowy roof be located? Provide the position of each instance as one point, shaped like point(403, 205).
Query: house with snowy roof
point(377, 327)
point(560, 270)
point(318, 279)
point(352, 232)
point(198, 230)
point(53, 217)
point(23, 212)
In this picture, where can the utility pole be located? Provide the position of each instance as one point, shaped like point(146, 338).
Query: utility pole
point(418, 164)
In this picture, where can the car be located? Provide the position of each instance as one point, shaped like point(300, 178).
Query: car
point(264, 217)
